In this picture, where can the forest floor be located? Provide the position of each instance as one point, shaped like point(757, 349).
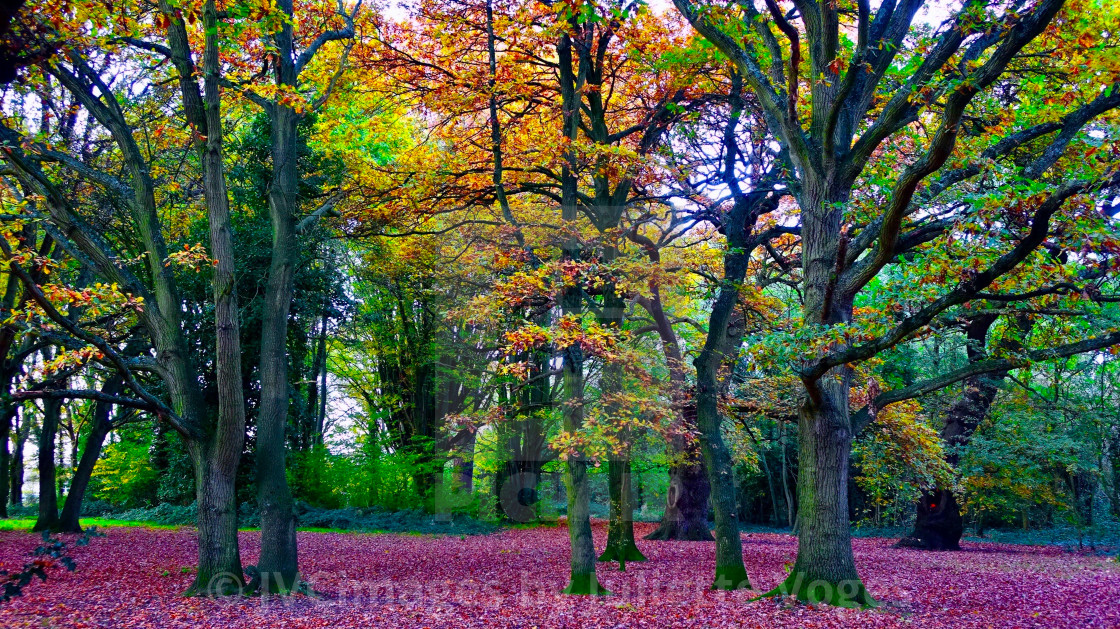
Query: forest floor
point(133, 577)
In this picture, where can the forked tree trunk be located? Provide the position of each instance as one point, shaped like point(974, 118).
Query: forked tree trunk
point(48, 491)
point(214, 440)
point(100, 425)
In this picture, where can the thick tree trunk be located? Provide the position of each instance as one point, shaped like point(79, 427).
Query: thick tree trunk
point(938, 524)
point(825, 569)
point(516, 485)
point(48, 491)
point(686, 502)
point(620, 535)
point(219, 560)
point(100, 425)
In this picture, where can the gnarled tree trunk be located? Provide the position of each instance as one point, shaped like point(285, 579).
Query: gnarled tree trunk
point(686, 501)
point(938, 524)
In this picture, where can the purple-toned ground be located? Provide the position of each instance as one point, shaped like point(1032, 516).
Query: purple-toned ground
point(133, 577)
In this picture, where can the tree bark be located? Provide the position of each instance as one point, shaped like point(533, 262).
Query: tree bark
point(686, 501)
point(100, 426)
point(219, 558)
point(825, 569)
point(48, 491)
point(731, 574)
point(620, 534)
point(938, 524)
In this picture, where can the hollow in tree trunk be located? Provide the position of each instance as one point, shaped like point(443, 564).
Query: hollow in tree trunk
point(938, 524)
point(686, 502)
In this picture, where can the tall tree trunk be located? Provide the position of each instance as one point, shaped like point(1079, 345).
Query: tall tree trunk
point(825, 568)
point(215, 446)
point(583, 578)
point(724, 336)
point(219, 457)
point(100, 425)
point(48, 491)
point(620, 535)
point(279, 558)
point(15, 480)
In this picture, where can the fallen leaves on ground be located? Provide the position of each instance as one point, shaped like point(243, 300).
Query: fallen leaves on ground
point(134, 576)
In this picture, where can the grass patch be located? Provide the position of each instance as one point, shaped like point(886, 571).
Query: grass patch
point(25, 524)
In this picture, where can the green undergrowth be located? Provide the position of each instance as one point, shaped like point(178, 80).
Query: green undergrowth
point(25, 524)
point(167, 516)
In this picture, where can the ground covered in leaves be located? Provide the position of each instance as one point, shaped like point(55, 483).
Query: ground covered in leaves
point(133, 577)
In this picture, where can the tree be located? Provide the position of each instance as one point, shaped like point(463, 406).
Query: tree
point(853, 128)
point(279, 566)
point(215, 442)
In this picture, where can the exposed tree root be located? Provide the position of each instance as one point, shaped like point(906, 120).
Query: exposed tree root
point(625, 551)
point(731, 578)
point(849, 593)
point(585, 585)
point(681, 532)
